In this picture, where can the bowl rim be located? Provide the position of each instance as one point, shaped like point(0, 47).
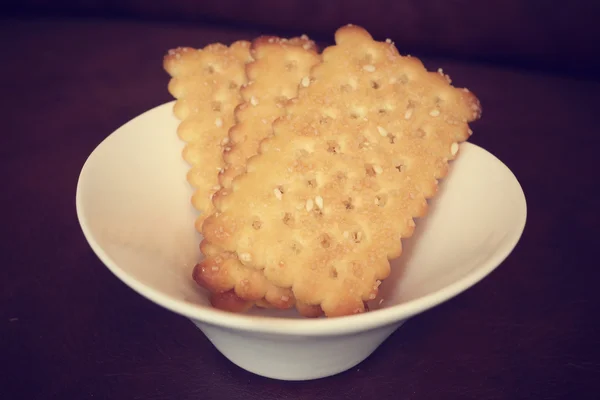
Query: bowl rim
point(291, 326)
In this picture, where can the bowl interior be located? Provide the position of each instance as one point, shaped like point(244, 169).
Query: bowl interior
point(133, 203)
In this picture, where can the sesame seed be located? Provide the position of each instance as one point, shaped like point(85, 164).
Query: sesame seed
point(372, 296)
point(304, 36)
point(246, 257)
point(470, 131)
point(454, 148)
point(369, 68)
point(382, 131)
point(219, 122)
point(217, 187)
point(380, 301)
point(378, 170)
point(408, 113)
point(434, 113)
point(388, 41)
point(253, 101)
point(309, 205)
point(284, 298)
point(306, 46)
point(277, 193)
point(440, 71)
point(305, 81)
point(227, 149)
point(225, 141)
point(319, 202)
point(215, 268)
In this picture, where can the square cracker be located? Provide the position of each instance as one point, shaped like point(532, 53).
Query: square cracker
point(325, 204)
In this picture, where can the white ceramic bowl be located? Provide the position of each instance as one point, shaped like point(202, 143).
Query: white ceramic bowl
point(133, 204)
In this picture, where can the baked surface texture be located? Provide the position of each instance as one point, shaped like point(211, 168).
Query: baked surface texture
point(325, 204)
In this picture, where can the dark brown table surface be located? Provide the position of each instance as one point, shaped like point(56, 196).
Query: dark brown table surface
point(70, 330)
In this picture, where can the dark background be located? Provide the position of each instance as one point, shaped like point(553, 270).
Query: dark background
point(534, 33)
point(71, 72)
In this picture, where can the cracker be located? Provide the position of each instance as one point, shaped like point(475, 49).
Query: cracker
point(216, 274)
point(279, 66)
point(206, 83)
point(325, 204)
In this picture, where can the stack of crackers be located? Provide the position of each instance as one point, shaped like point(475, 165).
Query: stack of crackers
point(310, 168)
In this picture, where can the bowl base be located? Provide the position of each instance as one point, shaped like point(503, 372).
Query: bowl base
point(295, 358)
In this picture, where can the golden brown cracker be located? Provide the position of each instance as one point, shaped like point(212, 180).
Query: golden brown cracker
point(324, 205)
point(206, 83)
point(279, 66)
